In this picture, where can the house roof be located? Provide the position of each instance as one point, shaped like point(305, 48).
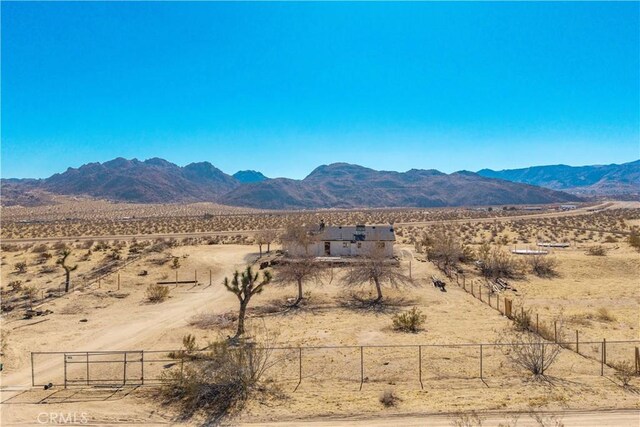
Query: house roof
point(375, 233)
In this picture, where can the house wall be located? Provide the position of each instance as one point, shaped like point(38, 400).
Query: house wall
point(337, 248)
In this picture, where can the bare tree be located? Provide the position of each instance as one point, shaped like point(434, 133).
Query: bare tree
point(265, 237)
point(298, 271)
point(299, 234)
point(62, 261)
point(445, 249)
point(376, 267)
point(245, 285)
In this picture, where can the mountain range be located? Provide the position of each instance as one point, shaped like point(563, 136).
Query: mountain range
point(338, 185)
point(598, 180)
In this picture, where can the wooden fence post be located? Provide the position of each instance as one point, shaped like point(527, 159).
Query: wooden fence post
point(118, 281)
point(176, 278)
point(480, 361)
point(555, 331)
point(604, 350)
point(361, 366)
point(209, 277)
point(637, 360)
point(602, 359)
point(577, 343)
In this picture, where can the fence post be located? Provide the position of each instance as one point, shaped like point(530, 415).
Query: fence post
point(142, 366)
point(480, 291)
point(604, 349)
point(637, 360)
point(361, 366)
point(33, 377)
point(542, 367)
point(577, 344)
point(118, 281)
point(209, 277)
point(555, 331)
point(124, 382)
point(602, 359)
point(87, 356)
point(195, 276)
point(537, 324)
point(176, 278)
point(480, 361)
point(420, 366)
point(65, 369)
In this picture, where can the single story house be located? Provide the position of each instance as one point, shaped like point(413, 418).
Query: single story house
point(341, 240)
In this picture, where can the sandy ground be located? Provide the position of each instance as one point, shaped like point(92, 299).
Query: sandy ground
point(330, 387)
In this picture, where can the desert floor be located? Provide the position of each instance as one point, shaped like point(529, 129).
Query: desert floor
point(92, 319)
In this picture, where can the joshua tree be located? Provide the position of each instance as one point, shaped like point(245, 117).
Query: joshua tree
point(62, 261)
point(298, 271)
point(245, 285)
point(376, 267)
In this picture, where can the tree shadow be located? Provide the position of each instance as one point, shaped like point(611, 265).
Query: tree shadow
point(365, 303)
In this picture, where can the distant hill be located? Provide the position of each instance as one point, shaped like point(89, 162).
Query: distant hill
point(342, 185)
point(339, 185)
point(151, 181)
point(249, 176)
point(597, 180)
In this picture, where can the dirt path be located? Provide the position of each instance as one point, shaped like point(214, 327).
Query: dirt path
point(128, 326)
point(616, 418)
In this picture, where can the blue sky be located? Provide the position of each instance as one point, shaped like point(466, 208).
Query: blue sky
point(285, 87)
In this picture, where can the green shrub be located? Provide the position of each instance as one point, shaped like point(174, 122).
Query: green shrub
point(409, 321)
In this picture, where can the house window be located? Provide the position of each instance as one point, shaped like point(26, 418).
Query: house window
point(345, 245)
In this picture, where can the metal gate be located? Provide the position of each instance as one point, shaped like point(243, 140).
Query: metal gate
point(104, 368)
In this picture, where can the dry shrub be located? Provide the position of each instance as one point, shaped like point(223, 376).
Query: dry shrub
point(38, 249)
point(605, 315)
point(409, 321)
point(597, 250)
point(625, 371)
point(522, 320)
point(157, 293)
point(494, 263)
point(542, 265)
point(634, 240)
point(388, 398)
point(471, 419)
point(219, 383)
point(15, 285)
point(531, 352)
point(210, 320)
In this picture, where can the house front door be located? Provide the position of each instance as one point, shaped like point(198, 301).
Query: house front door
point(327, 248)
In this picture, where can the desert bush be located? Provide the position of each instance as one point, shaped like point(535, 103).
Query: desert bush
point(471, 419)
point(542, 265)
point(175, 263)
point(597, 250)
point(15, 285)
point(605, 315)
point(20, 267)
point(221, 381)
point(157, 293)
point(409, 321)
point(494, 263)
point(38, 249)
point(388, 398)
point(522, 320)
point(30, 292)
point(625, 371)
point(634, 240)
point(531, 352)
point(210, 320)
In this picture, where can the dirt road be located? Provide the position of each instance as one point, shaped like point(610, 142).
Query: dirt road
point(615, 418)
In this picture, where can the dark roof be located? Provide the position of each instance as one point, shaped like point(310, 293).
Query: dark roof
point(359, 232)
